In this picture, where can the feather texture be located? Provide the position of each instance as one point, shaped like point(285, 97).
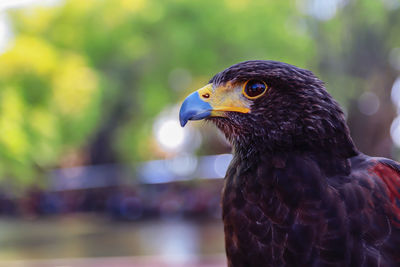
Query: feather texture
point(298, 192)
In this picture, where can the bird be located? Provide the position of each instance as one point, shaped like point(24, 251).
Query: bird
point(297, 191)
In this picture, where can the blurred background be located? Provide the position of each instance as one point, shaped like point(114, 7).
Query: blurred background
point(94, 167)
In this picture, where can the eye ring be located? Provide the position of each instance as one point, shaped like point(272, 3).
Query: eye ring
point(257, 91)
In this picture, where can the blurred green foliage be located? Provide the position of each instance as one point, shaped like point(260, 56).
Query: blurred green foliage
point(83, 70)
point(71, 65)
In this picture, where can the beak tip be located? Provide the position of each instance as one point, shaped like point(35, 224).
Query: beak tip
point(183, 116)
point(183, 122)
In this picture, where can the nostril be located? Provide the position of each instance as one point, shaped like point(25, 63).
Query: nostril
point(207, 95)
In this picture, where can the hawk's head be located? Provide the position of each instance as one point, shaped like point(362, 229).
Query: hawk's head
point(273, 106)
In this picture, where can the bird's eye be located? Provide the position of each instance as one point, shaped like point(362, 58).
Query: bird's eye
point(253, 89)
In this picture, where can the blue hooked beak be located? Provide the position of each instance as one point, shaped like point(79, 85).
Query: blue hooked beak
point(193, 108)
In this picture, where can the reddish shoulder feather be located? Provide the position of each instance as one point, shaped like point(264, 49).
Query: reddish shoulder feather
point(389, 172)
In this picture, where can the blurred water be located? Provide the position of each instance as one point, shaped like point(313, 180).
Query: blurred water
point(169, 241)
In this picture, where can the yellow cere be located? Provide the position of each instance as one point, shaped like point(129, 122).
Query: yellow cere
point(227, 97)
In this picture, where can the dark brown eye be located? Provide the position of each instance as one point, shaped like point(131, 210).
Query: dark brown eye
point(253, 89)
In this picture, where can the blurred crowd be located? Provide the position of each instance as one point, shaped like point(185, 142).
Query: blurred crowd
point(183, 199)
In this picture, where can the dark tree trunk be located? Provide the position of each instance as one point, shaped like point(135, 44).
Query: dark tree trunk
point(101, 147)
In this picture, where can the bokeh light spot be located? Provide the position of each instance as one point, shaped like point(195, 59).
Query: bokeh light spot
point(368, 103)
point(395, 131)
point(221, 164)
point(322, 9)
point(395, 93)
point(170, 135)
point(5, 33)
point(183, 165)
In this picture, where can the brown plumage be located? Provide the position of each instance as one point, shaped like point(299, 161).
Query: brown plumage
point(298, 192)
